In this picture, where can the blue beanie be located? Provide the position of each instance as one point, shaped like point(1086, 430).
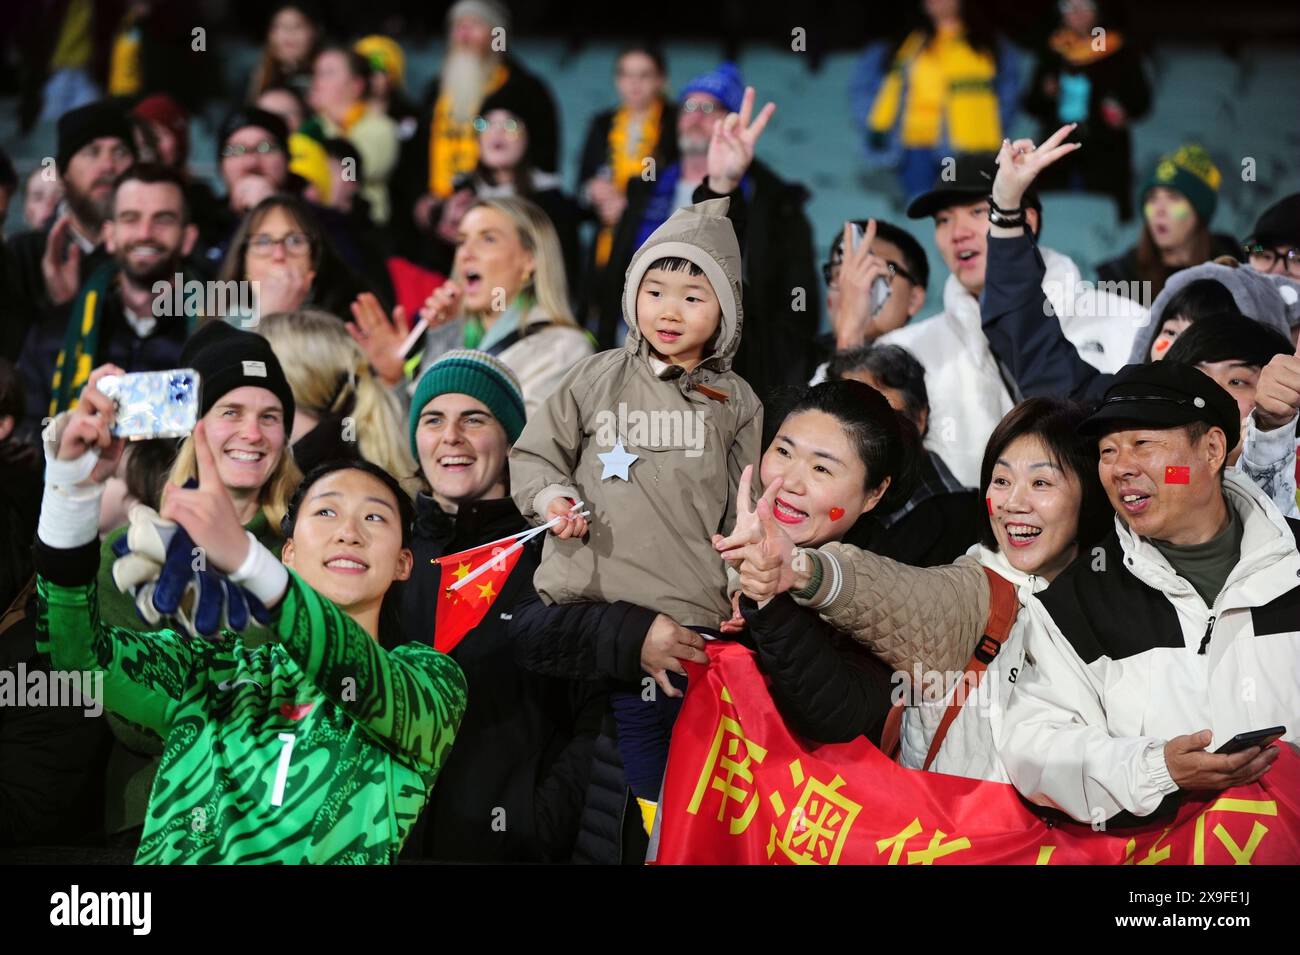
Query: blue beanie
point(723, 83)
point(479, 375)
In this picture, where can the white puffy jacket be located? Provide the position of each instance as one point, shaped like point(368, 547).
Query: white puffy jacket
point(1123, 655)
point(969, 748)
point(968, 395)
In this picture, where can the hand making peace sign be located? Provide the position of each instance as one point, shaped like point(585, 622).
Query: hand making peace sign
point(731, 147)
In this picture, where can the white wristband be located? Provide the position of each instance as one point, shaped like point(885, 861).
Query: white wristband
point(261, 574)
point(69, 518)
point(70, 506)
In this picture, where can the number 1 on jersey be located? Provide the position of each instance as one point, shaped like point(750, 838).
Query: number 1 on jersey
point(282, 770)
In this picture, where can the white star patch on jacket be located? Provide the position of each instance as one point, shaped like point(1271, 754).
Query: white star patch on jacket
point(616, 463)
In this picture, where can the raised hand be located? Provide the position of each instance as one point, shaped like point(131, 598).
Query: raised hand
point(249, 191)
point(747, 530)
point(380, 339)
point(283, 289)
point(442, 305)
point(61, 263)
point(89, 426)
point(1277, 397)
point(1019, 163)
point(206, 512)
point(853, 320)
point(731, 147)
point(765, 569)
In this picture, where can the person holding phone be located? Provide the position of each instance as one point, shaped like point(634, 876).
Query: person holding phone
point(247, 407)
point(1139, 654)
point(286, 752)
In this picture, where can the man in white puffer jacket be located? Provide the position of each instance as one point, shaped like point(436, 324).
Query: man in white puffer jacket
point(1179, 632)
point(968, 391)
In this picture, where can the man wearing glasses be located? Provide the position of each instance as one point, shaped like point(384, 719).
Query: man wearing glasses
point(1274, 244)
point(254, 157)
point(876, 286)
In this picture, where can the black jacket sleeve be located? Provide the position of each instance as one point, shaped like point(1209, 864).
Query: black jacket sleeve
point(580, 641)
point(1023, 331)
point(737, 211)
point(560, 793)
point(826, 687)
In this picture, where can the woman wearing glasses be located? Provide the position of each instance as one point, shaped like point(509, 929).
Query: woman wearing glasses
point(280, 245)
point(512, 131)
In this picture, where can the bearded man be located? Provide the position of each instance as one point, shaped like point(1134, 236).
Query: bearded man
point(125, 311)
point(446, 144)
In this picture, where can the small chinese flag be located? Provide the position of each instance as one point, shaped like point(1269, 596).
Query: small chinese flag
point(1177, 474)
point(459, 611)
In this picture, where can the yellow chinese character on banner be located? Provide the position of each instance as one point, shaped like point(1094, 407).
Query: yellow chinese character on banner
point(1243, 853)
point(819, 823)
point(937, 848)
point(727, 769)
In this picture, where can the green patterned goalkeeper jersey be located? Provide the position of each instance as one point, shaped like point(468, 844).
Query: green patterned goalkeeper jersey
point(320, 747)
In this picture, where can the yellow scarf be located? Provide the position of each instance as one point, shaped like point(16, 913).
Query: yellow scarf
point(626, 161)
point(453, 145)
point(354, 113)
point(124, 61)
point(948, 85)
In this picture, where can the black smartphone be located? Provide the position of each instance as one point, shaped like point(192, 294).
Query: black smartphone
point(1253, 738)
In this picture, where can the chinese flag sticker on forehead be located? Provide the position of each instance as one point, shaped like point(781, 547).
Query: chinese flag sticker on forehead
point(1177, 474)
point(460, 610)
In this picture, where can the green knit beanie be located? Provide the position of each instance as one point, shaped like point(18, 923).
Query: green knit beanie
point(1192, 172)
point(479, 375)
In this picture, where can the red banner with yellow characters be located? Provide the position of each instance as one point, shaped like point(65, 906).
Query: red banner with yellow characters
point(742, 789)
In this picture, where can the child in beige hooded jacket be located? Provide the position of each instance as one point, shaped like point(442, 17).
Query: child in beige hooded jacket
point(652, 438)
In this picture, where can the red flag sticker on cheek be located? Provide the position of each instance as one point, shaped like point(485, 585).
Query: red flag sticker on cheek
point(989, 502)
point(1178, 474)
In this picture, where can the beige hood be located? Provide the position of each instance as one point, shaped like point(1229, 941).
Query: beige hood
point(702, 234)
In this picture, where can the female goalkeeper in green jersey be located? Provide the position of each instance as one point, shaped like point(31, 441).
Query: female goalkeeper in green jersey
point(318, 747)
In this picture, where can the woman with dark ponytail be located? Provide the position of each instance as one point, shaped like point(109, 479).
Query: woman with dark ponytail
point(840, 452)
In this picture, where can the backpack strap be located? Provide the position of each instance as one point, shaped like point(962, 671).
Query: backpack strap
point(1003, 607)
point(891, 737)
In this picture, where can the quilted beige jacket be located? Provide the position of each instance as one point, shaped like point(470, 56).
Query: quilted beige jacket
point(930, 617)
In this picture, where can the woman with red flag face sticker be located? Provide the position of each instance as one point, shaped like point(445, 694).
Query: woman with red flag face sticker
point(513, 788)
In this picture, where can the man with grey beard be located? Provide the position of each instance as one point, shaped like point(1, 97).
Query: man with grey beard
point(113, 319)
point(47, 266)
point(782, 294)
point(446, 145)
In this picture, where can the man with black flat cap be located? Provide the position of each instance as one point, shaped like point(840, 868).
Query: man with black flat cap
point(969, 391)
point(1178, 632)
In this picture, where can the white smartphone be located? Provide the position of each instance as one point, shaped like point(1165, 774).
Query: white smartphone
point(153, 404)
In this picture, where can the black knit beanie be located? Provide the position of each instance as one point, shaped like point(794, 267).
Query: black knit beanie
point(228, 358)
